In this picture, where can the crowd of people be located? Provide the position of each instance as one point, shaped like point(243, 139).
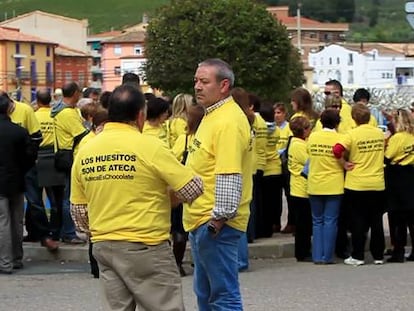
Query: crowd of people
point(134, 171)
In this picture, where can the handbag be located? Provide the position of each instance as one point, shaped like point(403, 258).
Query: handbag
point(63, 157)
point(64, 160)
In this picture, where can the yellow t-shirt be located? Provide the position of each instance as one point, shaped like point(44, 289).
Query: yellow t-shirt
point(302, 114)
point(285, 133)
point(24, 115)
point(68, 125)
point(46, 127)
point(260, 141)
point(156, 131)
point(123, 176)
point(177, 127)
point(86, 139)
point(400, 149)
point(296, 162)
point(221, 146)
point(365, 144)
point(273, 162)
point(326, 174)
point(179, 146)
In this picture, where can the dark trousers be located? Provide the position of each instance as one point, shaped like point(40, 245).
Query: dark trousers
point(291, 212)
point(366, 210)
point(272, 203)
point(401, 220)
point(37, 224)
point(258, 212)
point(342, 247)
point(303, 222)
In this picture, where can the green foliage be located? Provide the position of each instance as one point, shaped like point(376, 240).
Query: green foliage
point(237, 31)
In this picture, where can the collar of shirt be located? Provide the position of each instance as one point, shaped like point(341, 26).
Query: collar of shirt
point(283, 124)
point(328, 129)
point(218, 104)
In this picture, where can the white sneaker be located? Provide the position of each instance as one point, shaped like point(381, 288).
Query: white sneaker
point(353, 262)
point(378, 262)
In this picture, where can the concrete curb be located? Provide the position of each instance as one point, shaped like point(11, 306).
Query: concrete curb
point(278, 246)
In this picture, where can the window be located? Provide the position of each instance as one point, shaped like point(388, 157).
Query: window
point(32, 49)
point(81, 78)
point(350, 77)
point(58, 75)
point(48, 51)
point(117, 49)
point(49, 75)
point(338, 61)
point(138, 49)
point(17, 48)
point(330, 60)
point(32, 94)
point(68, 76)
point(350, 59)
point(33, 72)
point(383, 75)
point(18, 67)
point(117, 70)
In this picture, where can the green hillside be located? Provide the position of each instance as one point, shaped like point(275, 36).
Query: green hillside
point(102, 14)
point(106, 14)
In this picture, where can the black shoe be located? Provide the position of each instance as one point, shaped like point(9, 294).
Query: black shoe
point(182, 271)
point(395, 259)
point(17, 265)
point(388, 252)
point(305, 259)
point(6, 272)
point(410, 257)
point(28, 238)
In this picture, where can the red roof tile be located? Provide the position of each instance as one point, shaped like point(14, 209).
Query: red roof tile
point(14, 34)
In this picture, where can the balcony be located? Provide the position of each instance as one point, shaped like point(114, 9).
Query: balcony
point(18, 55)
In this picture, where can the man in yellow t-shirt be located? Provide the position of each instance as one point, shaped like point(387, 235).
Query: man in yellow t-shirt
point(217, 219)
point(364, 184)
point(44, 176)
point(120, 183)
point(69, 131)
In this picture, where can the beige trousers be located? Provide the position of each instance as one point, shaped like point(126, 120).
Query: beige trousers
point(136, 274)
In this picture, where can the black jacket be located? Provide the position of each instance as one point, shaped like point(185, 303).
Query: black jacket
point(17, 156)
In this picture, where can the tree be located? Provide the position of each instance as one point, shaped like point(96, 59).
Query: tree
point(240, 32)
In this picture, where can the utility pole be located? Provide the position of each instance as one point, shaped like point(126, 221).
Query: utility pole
point(299, 27)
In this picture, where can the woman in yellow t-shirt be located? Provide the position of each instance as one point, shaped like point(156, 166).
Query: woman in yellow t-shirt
point(195, 114)
point(157, 114)
point(280, 115)
point(272, 182)
point(364, 185)
point(301, 101)
point(399, 159)
point(298, 156)
point(325, 186)
point(178, 121)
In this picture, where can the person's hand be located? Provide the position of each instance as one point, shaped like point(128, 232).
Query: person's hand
point(217, 224)
point(349, 166)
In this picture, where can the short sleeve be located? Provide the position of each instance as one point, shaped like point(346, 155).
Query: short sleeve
point(391, 151)
point(346, 141)
point(229, 147)
point(170, 169)
point(77, 194)
point(32, 123)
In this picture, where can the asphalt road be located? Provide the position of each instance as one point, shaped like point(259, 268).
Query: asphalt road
point(280, 284)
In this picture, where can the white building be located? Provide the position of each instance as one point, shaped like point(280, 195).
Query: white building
point(377, 65)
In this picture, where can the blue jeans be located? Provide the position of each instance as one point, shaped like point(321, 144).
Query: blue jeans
point(216, 282)
point(68, 226)
point(325, 211)
point(243, 253)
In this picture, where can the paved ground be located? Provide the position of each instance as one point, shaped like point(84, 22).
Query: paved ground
point(271, 284)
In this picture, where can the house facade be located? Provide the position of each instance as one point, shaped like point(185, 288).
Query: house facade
point(56, 28)
point(122, 54)
point(27, 63)
point(369, 65)
point(72, 65)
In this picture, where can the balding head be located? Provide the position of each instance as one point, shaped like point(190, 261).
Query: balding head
point(43, 97)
